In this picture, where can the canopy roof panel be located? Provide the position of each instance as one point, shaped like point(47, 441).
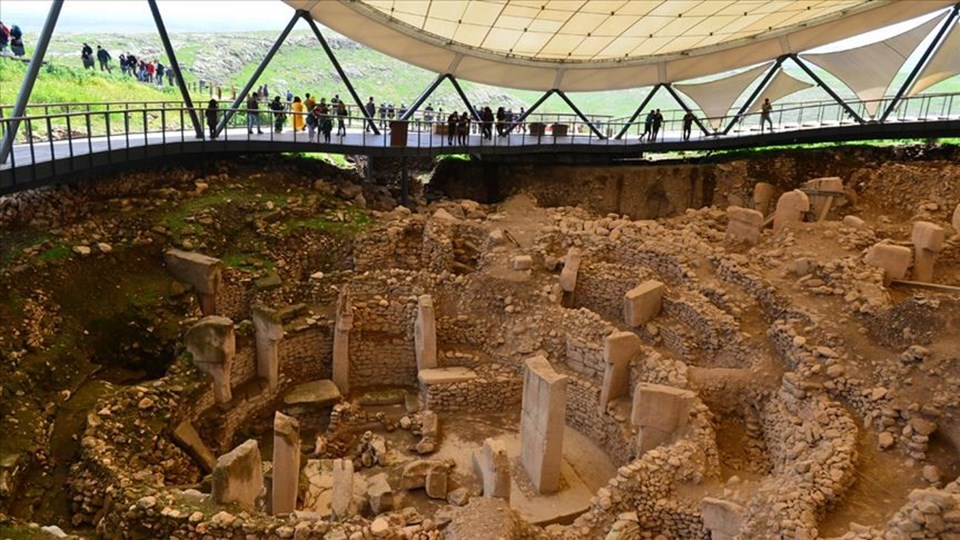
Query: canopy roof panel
point(610, 44)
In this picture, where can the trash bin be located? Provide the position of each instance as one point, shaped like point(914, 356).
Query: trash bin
point(560, 130)
point(536, 128)
point(398, 133)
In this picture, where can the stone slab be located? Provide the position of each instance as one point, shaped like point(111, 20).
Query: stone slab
point(187, 438)
point(320, 392)
point(238, 476)
point(447, 375)
point(643, 302)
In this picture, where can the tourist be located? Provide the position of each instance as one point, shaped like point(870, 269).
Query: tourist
point(289, 96)
point(657, 122)
point(765, 111)
point(383, 115)
point(309, 103)
point(278, 115)
point(86, 56)
point(428, 116)
point(4, 37)
point(463, 129)
point(687, 125)
point(486, 126)
point(16, 41)
point(150, 70)
point(213, 115)
point(253, 114)
point(160, 69)
point(104, 58)
point(371, 112)
point(501, 121)
point(326, 123)
point(313, 120)
point(647, 126)
point(170, 76)
point(296, 107)
point(341, 118)
point(453, 122)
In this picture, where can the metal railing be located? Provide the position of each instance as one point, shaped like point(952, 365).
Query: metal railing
point(119, 131)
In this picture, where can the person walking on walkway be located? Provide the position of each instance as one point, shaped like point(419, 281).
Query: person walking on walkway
point(313, 121)
point(765, 111)
point(278, 114)
point(453, 121)
point(213, 114)
point(104, 58)
point(341, 119)
point(297, 109)
point(648, 126)
point(326, 121)
point(309, 103)
point(463, 129)
point(86, 55)
point(687, 125)
point(657, 122)
point(253, 114)
point(371, 109)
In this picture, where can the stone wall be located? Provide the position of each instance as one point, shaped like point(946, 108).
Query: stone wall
point(601, 286)
point(604, 430)
point(495, 390)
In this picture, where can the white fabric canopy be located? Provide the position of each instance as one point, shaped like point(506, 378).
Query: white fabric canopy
point(780, 87)
point(716, 97)
point(868, 70)
point(944, 64)
point(590, 45)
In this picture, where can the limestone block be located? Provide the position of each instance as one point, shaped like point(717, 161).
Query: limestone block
point(493, 466)
point(212, 343)
point(830, 184)
point(425, 333)
point(444, 216)
point(659, 411)
point(643, 302)
point(341, 342)
point(268, 331)
point(855, 222)
point(571, 267)
point(414, 474)
point(320, 393)
point(791, 207)
point(928, 235)
point(436, 483)
point(721, 518)
point(238, 476)
point(743, 225)
point(762, 195)
point(522, 262)
point(187, 438)
point(542, 422)
point(286, 463)
point(447, 375)
point(618, 349)
point(202, 272)
point(894, 260)
point(342, 488)
point(379, 494)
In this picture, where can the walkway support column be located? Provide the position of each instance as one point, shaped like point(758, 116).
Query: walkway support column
point(340, 72)
point(756, 92)
point(686, 108)
point(912, 78)
point(806, 69)
point(242, 96)
point(580, 114)
point(637, 112)
point(181, 84)
point(20, 107)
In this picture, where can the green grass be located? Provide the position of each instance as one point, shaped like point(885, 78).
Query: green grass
point(346, 222)
point(337, 160)
point(56, 253)
point(176, 219)
point(247, 262)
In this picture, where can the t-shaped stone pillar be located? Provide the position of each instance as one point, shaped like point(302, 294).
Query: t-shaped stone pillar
point(341, 342)
point(927, 242)
point(286, 463)
point(894, 260)
point(643, 302)
point(238, 476)
point(762, 195)
point(201, 271)
point(212, 343)
point(658, 412)
point(342, 488)
point(791, 207)
point(542, 422)
point(743, 224)
point(618, 349)
point(268, 330)
point(571, 267)
point(425, 333)
point(493, 467)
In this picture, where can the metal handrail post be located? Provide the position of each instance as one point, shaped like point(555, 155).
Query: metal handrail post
point(26, 88)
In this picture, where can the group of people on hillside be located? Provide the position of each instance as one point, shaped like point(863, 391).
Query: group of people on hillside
point(144, 70)
point(103, 57)
point(12, 38)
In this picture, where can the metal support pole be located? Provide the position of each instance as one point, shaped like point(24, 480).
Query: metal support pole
point(912, 78)
point(580, 114)
point(20, 106)
point(683, 104)
point(806, 69)
point(256, 74)
point(162, 30)
point(340, 72)
point(639, 110)
point(532, 108)
point(404, 182)
point(423, 96)
point(756, 92)
point(463, 96)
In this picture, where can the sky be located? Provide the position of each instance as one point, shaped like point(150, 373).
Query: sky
point(134, 15)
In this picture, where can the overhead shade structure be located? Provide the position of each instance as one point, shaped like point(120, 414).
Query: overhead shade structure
point(944, 64)
point(591, 45)
point(715, 98)
point(780, 87)
point(870, 69)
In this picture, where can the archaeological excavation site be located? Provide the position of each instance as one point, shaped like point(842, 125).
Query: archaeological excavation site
point(758, 345)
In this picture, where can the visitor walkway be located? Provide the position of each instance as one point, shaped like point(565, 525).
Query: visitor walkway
point(141, 132)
